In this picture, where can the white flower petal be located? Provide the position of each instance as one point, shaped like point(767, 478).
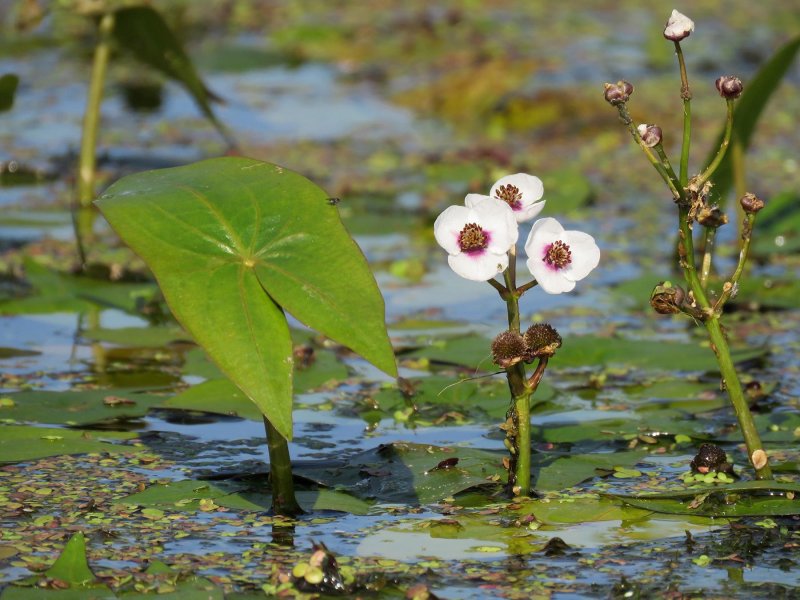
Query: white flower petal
point(544, 232)
point(551, 281)
point(528, 213)
point(530, 188)
point(497, 218)
point(472, 199)
point(585, 255)
point(448, 226)
point(478, 267)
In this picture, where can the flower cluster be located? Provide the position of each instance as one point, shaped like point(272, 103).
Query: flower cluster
point(479, 236)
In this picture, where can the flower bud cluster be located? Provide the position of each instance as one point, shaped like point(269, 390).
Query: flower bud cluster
point(539, 341)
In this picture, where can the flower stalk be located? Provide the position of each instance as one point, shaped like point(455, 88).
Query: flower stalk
point(480, 239)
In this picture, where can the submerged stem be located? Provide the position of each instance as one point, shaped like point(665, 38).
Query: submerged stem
point(280, 473)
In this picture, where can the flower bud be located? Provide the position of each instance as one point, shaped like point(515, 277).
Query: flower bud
point(711, 216)
point(679, 26)
point(541, 340)
point(667, 298)
point(751, 203)
point(618, 93)
point(729, 87)
point(650, 134)
point(508, 348)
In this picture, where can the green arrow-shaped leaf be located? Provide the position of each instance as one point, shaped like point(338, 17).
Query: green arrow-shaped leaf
point(233, 242)
point(142, 31)
point(71, 566)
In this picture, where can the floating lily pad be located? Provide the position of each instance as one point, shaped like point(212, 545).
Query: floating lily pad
point(742, 499)
point(56, 291)
point(141, 337)
point(20, 443)
point(78, 408)
point(567, 471)
point(410, 473)
point(189, 495)
point(436, 396)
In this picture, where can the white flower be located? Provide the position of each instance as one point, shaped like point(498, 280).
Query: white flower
point(477, 238)
point(558, 258)
point(522, 192)
point(679, 26)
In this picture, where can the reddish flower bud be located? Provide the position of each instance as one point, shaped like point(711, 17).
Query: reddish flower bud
point(618, 93)
point(729, 87)
point(650, 134)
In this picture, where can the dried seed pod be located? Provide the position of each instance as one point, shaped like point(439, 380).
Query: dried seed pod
point(508, 348)
point(541, 340)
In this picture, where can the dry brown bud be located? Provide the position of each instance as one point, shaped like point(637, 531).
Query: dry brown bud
point(751, 203)
point(667, 298)
point(711, 216)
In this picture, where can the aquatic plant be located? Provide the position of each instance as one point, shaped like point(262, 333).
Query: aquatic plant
point(480, 239)
point(234, 244)
point(698, 205)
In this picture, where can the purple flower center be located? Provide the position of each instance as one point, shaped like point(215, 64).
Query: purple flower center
point(511, 195)
point(557, 255)
point(473, 239)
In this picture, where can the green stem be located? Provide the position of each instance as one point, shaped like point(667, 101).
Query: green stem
point(732, 283)
point(731, 382)
point(670, 180)
point(519, 476)
point(708, 250)
point(723, 147)
point(280, 473)
point(91, 117)
point(686, 94)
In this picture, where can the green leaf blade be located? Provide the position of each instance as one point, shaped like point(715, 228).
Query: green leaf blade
point(143, 32)
point(233, 242)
